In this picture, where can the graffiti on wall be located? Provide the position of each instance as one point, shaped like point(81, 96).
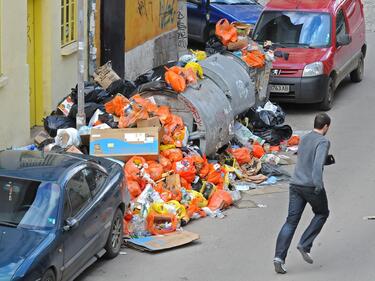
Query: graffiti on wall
point(182, 33)
point(146, 19)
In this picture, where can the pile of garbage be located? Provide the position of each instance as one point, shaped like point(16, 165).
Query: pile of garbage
point(170, 180)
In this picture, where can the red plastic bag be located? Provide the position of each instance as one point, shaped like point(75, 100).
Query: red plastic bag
point(156, 223)
point(226, 32)
point(242, 155)
point(155, 170)
point(186, 169)
point(258, 151)
point(221, 199)
point(116, 106)
point(174, 154)
point(174, 78)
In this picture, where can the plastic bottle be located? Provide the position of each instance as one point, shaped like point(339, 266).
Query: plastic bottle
point(243, 135)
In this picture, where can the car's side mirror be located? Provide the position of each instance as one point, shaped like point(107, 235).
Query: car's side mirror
point(70, 223)
point(343, 40)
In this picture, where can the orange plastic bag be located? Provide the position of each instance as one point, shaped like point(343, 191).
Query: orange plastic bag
point(215, 175)
point(174, 154)
point(155, 170)
point(254, 59)
point(221, 199)
point(131, 119)
point(156, 223)
point(133, 168)
point(145, 103)
point(226, 32)
point(174, 78)
point(116, 106)
point(294, 140)
point(164, 114)
point(134, 189)
point(185, 184)
point(258, 151)
point(242, 155)
point(190, 76)
point(186, 169)
point(166, 163)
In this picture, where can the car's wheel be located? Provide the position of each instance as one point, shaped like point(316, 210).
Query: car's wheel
point(357, 74)
point(114, 240)
point(49, 276)
point(327, 103)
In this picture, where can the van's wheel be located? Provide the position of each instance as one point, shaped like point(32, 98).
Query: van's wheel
point(113, 245)
point(49, 276)
point(357, 74)
point(327, 103)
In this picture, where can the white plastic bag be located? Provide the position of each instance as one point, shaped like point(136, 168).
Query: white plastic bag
point(67, 137)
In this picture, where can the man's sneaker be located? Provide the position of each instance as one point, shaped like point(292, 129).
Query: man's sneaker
point(305, 255)
point(279, 266)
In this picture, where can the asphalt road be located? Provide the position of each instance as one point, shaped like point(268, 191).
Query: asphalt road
point(241, 246)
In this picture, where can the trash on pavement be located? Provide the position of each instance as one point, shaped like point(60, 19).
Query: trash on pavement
point(162, 242)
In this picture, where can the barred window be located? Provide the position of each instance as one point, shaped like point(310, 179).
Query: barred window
point(68, 22)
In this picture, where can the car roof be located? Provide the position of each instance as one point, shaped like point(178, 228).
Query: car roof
point(313, 5)
point(36, 165)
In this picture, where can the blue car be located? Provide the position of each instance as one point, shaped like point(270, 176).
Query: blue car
point(204, 14)
point(59, 213)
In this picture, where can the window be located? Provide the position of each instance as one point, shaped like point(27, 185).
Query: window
point(68, 22)
point(79, 192)
point(294, 29)
point(340, 24)
point(95, 180)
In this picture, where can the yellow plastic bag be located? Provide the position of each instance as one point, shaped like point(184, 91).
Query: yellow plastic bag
point(196, 67)
point(200, 55)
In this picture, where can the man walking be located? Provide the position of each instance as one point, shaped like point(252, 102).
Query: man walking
point(306, 186)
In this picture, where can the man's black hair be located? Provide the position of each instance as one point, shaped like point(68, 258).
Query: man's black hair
point(321, 120)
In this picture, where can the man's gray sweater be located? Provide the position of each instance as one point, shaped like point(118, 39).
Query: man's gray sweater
point(312, 154)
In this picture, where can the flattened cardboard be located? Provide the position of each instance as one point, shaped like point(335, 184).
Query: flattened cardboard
point(41, 137)
point(125, 143)
point(105, 75)
point(74, 149)
point(173, 182)
point(151, 122)
point(163, 242)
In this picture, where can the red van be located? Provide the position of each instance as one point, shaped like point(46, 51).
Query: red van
point(320, 43)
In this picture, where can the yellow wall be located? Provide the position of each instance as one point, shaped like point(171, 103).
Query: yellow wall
point(56, 67)
point(146, 19)
point(14, 93)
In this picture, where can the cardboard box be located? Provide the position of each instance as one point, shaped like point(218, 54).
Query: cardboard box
point(74, 149)
point(173, 182)
point(41, 137)
point(151, 122)
point(66, 106)
point(105, 75)
point(125, 143)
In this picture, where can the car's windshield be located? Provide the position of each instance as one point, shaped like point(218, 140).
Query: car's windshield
point(294, 29)
point(28, 204)
point(233, 2)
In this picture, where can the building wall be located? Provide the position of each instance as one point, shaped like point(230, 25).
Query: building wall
point(150, 35)
point(14, 93)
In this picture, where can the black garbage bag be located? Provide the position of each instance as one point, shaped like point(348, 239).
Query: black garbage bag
point(214, 46)
point(273, 170)
point(123, 87)
point(90, 109)
point(108, 119)
point(92, 93)
point(154, 74)
point(274, 135)
point(54, 122)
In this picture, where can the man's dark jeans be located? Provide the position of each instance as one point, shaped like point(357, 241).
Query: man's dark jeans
point(299, 196)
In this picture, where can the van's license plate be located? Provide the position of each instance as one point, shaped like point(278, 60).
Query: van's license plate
point(279, 88)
